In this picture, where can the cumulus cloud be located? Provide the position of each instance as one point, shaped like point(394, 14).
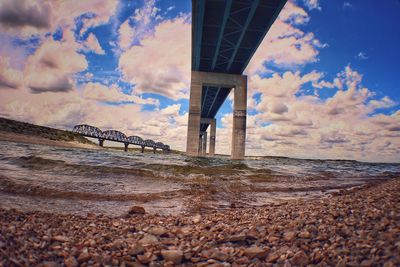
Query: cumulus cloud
point(26, 18)
point(52, 65)
point(341, 126)
point(93, 45)
point(10, 78)
point(139, 25)
point(102, 93)
point(312, 4)
point(161, 64)
point(24, 14)
point(286, 45)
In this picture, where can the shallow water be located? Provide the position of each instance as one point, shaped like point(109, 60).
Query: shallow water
point(72, 180)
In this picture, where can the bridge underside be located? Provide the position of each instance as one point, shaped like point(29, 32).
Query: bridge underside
point(225, 36)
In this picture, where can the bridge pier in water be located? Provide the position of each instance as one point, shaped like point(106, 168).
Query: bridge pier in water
point(195, 146)
point(126, 147)
point(101, 142)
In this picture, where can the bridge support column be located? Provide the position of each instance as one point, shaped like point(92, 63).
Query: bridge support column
point(154, 150)
point(193, 134)
point(142, 149)
point(221, 80)
point(101, 142)
point(126, 147)
point(204, 144)
point(239, 119)
point(213, 129)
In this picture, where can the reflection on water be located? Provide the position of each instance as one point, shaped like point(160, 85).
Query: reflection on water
point(37, 177)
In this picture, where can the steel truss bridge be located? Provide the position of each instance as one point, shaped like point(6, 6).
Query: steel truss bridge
point(117, 136)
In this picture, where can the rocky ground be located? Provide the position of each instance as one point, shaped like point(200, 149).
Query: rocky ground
point(357, 227)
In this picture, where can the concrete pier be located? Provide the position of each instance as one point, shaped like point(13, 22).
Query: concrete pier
point(195, 146)
point(126, 147)
point(204, 144)
point(101, 142)
point(213, 130)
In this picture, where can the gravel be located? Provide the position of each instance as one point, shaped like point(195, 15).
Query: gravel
point(356, 227)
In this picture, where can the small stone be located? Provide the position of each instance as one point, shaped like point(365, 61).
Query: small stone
point(135, 249)
point(49, 264)
point(272, 257)
point(157, 230)
point(289, 236)
point(148, 240)
point(305, 234)
point(273, 239)
point(236, 238)
point(60, 238)
point(255, 252)
point(196, 219)
point(71, 262)
point(300, 259)
point(137, 210)
point(174, 256)
point(83, 257)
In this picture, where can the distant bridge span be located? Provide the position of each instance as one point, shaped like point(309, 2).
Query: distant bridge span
point(117, 136)
point(225, 36)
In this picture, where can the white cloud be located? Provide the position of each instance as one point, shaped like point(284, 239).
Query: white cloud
point(362, 55)
point(161, 64)
point(10, 78)
point(102, 93)
point(143, 22)
point(286, 45)
point(26, 18)
point(92, 44)
point(312, 4)
point(52, 65)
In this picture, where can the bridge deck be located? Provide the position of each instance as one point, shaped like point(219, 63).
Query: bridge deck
point(225, 36)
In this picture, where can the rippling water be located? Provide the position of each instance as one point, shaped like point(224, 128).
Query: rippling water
point(71, 180)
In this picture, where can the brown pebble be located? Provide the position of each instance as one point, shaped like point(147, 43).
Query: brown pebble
point(255, 252)
point(71, 262)
point(137, 210)
point(174, 256)
point(300, 259)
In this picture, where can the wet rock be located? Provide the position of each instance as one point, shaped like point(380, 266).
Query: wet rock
point(137, 210)
point(71, 262)
point(174, 256)
point(255, 252)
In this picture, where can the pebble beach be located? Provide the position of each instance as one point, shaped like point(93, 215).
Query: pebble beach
point(354, 227)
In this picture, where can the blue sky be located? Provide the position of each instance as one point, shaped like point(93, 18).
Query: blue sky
point(323, 84)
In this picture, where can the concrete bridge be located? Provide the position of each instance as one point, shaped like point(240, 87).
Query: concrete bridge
point(225, 36)
point(117, 136)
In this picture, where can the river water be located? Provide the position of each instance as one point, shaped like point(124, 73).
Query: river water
point(109, 181)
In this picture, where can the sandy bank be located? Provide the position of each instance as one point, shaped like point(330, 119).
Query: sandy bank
point(358, 227)
point(22, 138)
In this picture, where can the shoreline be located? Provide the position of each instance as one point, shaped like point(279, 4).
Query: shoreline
point(355, 227)
point(36, 140)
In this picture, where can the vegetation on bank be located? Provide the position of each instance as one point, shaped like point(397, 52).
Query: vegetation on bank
point(12, 126)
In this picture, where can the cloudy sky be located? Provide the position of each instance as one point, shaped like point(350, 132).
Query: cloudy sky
point(323, 84)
